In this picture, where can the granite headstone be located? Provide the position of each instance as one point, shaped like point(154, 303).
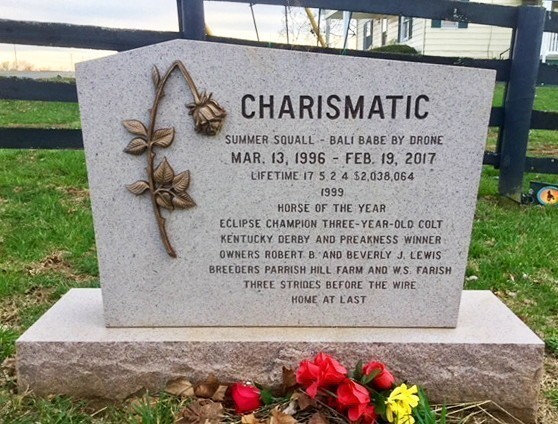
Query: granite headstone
point(307, 190)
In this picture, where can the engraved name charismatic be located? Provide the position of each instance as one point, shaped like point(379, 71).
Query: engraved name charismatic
point(334, 107)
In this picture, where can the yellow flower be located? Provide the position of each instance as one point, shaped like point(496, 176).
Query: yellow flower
point(400, 404)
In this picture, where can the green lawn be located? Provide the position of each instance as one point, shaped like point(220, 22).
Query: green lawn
point(47, 246)
point(15, 114)
point(541, 142)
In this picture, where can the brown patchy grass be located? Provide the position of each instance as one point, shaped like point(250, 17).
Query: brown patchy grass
point(55, 262)
point(11, 306)
point(548, 412)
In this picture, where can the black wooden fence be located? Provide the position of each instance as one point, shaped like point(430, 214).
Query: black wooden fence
point(521, 73)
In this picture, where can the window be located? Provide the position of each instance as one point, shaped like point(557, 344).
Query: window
point(384, 31)
point(367, 35)
point(405, 28)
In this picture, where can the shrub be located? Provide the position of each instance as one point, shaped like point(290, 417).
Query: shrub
point(396, 48)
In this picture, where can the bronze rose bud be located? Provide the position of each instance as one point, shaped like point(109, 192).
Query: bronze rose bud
point(208, 114)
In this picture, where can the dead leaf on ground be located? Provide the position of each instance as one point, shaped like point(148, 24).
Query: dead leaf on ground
point(289, 380)
point(304, 401)
point(53, 261)
point(11, 306)
point(75, 192)
point(547, 411)
point(250, 419)
point(291, 408)
point(136, 403)
point(219, 394)
point(8, 371)
point(180, 387)
point(206, 389)
point(56, 262)
point(76, 198)
point(278, 417)
point(318, 418)
point(9, 366)
point(202, 412)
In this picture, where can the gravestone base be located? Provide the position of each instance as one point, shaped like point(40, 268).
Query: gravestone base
point(490, 355)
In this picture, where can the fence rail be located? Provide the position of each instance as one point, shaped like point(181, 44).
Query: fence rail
point(550, 46)
point(520, 73)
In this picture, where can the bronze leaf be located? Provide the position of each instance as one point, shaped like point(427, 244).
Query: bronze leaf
point(164, 200)
point(136, 147)
point(163, 137)
point(155, 76)
point(135, 127)
point(164, 174)
point(168, 191)
point(183, 201)
point(139, 187)
point(181, 182)
point(186, 196)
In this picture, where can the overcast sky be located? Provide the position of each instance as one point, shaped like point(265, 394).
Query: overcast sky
point(224, 19)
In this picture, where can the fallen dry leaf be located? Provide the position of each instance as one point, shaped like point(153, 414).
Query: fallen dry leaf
point(180, 387)
point(278, 417)
point(289, 380)
point(136, 403)
point(201, 412)
point(53, 261)
point(8, 373)
point(304, 401)
point(318, 418)
point(56, 262)
point(219, 394)
point(206, 389)
point(9, 366)
point(291, 408)
point(250, 419)
point(11, 306)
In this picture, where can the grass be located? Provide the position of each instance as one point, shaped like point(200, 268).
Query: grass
point(47, 246)
point(541, 142)
point(17, 114)
point(512, 255)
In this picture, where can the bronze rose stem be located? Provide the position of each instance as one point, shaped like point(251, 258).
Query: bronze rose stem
point(168, 190)
point(161, 221)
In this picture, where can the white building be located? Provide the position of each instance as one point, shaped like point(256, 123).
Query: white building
point(442, 38)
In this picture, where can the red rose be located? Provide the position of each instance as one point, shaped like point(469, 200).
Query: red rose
point(324, 371)
point(369, 416)
point(246, 398)
point(384, 380)
point(354, 398)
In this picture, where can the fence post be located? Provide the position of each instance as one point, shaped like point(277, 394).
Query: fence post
point(191, 20)
point(519, 100)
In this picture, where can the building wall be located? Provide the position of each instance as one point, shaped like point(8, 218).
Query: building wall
point(477, 41)
point(392, 31)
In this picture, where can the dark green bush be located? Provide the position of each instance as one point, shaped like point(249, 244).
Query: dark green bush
point(396, 48)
